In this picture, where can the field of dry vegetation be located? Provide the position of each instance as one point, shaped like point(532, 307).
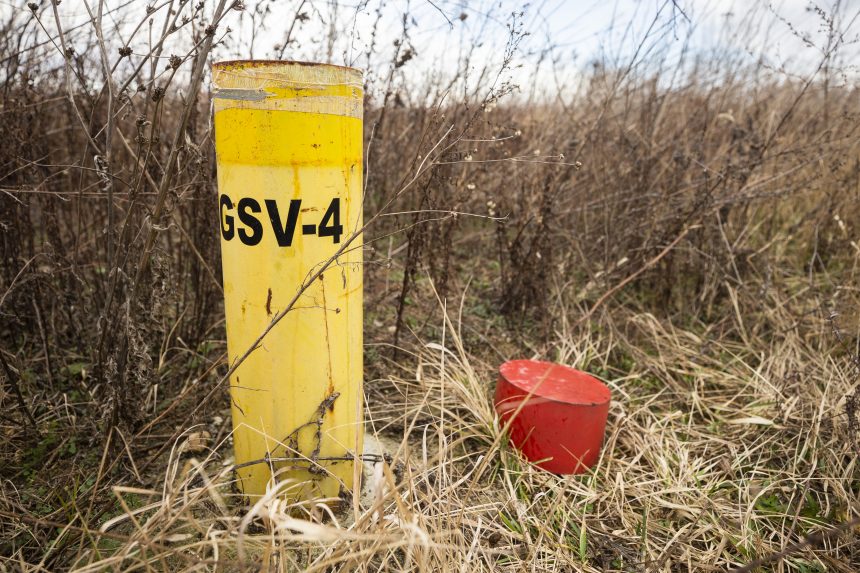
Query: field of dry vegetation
point(684, 228)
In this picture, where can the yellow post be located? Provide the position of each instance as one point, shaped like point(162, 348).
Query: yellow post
point(288, 140)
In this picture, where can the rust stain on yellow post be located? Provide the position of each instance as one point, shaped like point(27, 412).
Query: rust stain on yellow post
point(288, 140)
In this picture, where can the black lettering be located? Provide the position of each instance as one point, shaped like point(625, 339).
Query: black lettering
point(330, 225)
point(284, 231)
point(250, 221)
point(227, 226)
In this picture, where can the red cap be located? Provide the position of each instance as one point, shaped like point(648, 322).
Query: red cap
point(559, 414)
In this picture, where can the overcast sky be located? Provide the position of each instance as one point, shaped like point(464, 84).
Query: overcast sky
point(787, 35)
point(565, 36)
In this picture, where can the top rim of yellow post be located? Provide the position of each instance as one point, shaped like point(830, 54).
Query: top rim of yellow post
point(269, 65)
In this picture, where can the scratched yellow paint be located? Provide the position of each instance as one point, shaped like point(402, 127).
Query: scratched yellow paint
point(286, 132)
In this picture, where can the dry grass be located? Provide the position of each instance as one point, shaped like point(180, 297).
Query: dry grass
point(688, 235)
point(716, 453)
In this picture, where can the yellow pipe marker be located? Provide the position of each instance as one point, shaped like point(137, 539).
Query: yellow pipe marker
point(288, 140)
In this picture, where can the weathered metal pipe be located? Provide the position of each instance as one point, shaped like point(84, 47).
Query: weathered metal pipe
point(288, 140)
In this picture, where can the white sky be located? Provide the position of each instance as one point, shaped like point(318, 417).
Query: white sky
point(442, 32)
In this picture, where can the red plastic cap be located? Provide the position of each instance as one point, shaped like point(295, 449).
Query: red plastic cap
point(557, 415)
